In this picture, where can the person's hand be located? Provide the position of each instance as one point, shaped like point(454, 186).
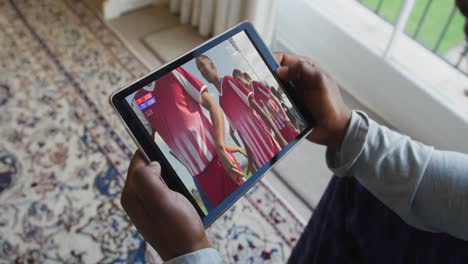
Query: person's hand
point(230, 165)
point(287, 122)
point(321, 97)
point(166, 219)
point(237, 149)
point(280, 139)
point(251, 167)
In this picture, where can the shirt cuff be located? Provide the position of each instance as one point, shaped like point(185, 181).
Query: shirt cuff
point(205, 256)
point(340, 162)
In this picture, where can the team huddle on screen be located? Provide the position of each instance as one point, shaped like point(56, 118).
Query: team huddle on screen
point(172, 105)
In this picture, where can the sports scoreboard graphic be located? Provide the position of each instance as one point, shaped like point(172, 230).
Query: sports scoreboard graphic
point(145, 101)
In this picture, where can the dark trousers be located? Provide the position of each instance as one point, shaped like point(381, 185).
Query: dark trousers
point(351, 226)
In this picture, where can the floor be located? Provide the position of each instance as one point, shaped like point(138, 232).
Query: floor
point(157, 37)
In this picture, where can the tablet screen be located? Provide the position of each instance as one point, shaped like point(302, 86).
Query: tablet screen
point(218, 119)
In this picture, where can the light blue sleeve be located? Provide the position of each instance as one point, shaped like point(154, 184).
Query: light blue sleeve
point(202, 256)
point(427, 188)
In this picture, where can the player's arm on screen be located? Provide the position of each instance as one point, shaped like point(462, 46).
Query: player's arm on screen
point(198, 91)
point(244, 152)
point(248, 98)
point(268, 121)
point(235, 149)
point(275, 100)
point(278, 104)
point(217, 119)
point(265, 120)
point(250, 164)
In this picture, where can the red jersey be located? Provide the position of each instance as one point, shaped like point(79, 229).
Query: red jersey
point(171, 105)
point(262, 97)
point(234, 100)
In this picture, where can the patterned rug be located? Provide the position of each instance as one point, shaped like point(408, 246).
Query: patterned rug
point(64, 154)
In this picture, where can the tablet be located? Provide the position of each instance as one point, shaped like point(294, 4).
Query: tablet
point(217, 119)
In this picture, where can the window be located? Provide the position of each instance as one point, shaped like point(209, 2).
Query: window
point(405, 78)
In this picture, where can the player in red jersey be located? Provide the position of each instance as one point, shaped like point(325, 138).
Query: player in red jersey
point(270, 104)
point(171, 107)
point(243, 113)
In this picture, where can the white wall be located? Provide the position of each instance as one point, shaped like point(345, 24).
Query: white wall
point(383, 87)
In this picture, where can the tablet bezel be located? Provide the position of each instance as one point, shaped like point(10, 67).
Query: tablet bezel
point(147, 145)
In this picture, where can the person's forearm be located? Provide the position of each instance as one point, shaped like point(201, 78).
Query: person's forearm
point(406, 175)
point(217, 119)
point(218, 127)
point(250, 163)
point(442, 197)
